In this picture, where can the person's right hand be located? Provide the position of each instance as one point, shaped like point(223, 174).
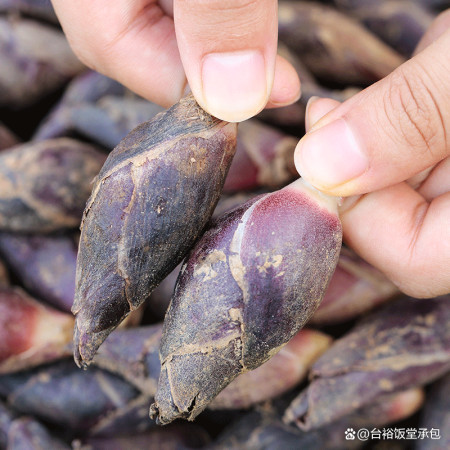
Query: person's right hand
point(388, 150)
point(225, 50)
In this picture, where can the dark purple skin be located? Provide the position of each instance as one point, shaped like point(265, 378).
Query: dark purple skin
point(105, 122)
point(45, 265)
point(40, 9)
point(150, 202)
point(87, 88)
point(133, 353)
point(180, 436)
point(355, 4)
point(265, 430)
point(333, 46)
point(405, 344)
point(28, 434)
point(44, 186)
point(436, 414)
point(398, 23)
point(249, 284)
point(36, 60)
point(128, 419)
point(65, 396)
point(108, 121)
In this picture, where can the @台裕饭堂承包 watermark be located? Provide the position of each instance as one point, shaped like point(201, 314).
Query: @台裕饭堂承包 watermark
point(384, 434)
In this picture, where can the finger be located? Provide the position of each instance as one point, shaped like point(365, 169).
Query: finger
point(316, 108)
point(437, 28)
point(131, 41)
point(437, 182)
point(228, 51)
point(385, 134)
point(286, 84)
point(399, 232)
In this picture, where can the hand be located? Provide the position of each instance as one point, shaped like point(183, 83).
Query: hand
point(388, 149)
point(225, 49)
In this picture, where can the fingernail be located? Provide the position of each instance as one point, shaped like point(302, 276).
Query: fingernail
point(310, 120)
point(234, 84)
point(330, 156)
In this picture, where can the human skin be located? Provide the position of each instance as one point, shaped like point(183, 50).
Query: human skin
point(226, 51)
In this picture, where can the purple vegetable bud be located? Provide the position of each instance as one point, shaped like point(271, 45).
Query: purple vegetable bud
point(278, 375)
point(109, 120)
point(264, 430)
point(150, 202)
point(40, 9)
point(399, 23)
point(436, 415)
point(63, 395)
point(248, 286)
point(264, 157)
point(355, 288)
point(30, 333)
point(45, 265)
point(403, 345)
point(44, 186)
point(28, 434)
point(36, 60)
point(333, 46)
point(134, 355)
point(86, 88)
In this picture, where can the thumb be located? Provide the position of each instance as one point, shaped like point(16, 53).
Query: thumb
point(228, 50)
point(386, 133)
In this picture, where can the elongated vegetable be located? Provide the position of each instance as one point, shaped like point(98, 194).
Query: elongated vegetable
point(87, 88)
point(28, 434)
point(436, 416)
point(105, 122)
point(405, 344)
point(150, 202)
point(399, 23)
point(355, 288)
point(45, 265)
point(264, 430)
point(30, 333)
point(65, 396)
point(324, 38)
point(36, 60)
point(25, 433)
point(133, 354)
point(44, 186)
point(41, 9)
point(248, 286)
